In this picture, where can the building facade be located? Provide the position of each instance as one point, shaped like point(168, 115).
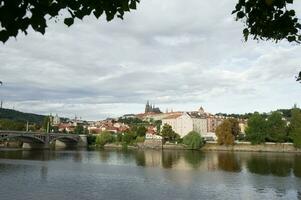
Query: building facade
point(186, 122)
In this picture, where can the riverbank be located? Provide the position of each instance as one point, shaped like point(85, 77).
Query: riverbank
point(240, 146)
point(248, 147)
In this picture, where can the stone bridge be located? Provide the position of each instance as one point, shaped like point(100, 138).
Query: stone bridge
point(44, 140)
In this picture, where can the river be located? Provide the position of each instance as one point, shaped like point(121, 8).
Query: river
point(134, 174)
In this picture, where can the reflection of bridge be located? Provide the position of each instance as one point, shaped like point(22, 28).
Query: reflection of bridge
point(44, 140)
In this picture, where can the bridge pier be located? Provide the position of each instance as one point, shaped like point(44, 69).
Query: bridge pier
point(27, 145)
point(64, 144)
point(83, 142)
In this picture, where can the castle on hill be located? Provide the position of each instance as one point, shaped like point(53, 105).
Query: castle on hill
point(150, 108)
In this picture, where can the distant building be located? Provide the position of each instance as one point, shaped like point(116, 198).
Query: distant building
point(56, 120)
point(149, 108)
point(183, 123)
point(213, 121)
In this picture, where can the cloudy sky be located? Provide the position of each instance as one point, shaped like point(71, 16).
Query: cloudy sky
point(176, 54)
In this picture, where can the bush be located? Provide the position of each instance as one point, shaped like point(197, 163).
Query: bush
point(140, 139)
point(128, 137)
point(91, 139)
point(119, 137)
point(104, 138)
point(193, 140)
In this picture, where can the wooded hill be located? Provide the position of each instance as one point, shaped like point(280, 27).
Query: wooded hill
point(15, 115)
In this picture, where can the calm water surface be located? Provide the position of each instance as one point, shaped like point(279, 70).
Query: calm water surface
point(116, 174)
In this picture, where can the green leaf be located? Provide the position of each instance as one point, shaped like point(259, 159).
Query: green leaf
point(4, 36)
point(69, 21)
point(97, 13)
point(240, 14)
point(133, 4)
point(246, 33)
point(291, 38)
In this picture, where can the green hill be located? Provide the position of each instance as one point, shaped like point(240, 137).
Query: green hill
point(21, 116)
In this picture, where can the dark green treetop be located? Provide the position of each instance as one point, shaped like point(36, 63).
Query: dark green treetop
point(20, 15)
point(268, 20)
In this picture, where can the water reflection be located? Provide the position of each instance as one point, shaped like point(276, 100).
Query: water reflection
point(170, 158)
point(194, 158)
point(266, 164)
point(229, 162)
point(281, 165)
point(297, 166)
point(192, 172)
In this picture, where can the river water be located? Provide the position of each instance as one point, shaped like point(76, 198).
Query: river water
point(133, 174)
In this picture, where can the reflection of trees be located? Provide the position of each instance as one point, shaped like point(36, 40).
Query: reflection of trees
point(28, 154)
point(194, 158)
point(297, 167)
point(229, 162)
point(78, 157)
point(258, 165)
point(281, 167)
point(169, 158)
point(104, 155)
point(140, 158)
point(264, 165)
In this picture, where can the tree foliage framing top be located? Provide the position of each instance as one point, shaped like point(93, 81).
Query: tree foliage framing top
point(19, 15)
point(268, 20)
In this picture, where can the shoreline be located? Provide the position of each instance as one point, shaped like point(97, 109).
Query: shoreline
point(208, 147)
point(238, 147)
point(248, 147)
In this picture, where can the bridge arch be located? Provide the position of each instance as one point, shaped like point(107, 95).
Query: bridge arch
point(24, 138)
point(64, 138)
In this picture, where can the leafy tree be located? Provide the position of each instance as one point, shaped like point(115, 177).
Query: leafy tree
point(158, 124)
point(141, 131)
point(140, 139)
point(79, 129)
point(47, 124)
point(104, 138)
point(20, 116)
point(295, 127)
point(193, 140)
point(119, 137)
point(91, 139)
point(226, 132)
point(276, 128)
point(6, 124)
point(235, 127)
point(268, 20)
point(256, 131)
point(129, 137)
point(18, 15)
point(130, 121)
point(167, 133)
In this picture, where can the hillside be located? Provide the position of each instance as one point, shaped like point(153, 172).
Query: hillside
point(20, 116)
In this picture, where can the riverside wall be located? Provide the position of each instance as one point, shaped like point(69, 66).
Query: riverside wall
point(211, 146)
point(246, 146)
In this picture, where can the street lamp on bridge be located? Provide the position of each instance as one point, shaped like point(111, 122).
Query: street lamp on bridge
point(1, 83)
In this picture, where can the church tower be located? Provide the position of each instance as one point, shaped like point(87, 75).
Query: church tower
point(147, 107)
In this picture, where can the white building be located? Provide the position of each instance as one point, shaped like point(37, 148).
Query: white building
point(186, 122)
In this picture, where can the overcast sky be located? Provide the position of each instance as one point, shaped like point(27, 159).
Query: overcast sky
point(176, 54)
